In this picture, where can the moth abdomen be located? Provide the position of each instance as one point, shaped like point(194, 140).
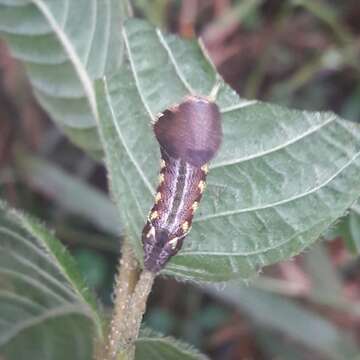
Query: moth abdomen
point(189, 135)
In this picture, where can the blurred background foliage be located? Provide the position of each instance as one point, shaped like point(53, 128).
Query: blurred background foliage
point(299, 53)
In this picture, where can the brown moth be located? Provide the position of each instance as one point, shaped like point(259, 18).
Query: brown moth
point(189, 135)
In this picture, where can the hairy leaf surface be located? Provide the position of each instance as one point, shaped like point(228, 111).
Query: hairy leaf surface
point(65, 45)
point(46, 312)
point(153, 346)
point(280, 179)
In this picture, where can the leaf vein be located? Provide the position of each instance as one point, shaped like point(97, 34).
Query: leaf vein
point(281, 202)
point(53, 313)
point(121, 138)
point(173, 61)
point(275, 148)
point(136, 78)
point(238, 106)
point(73, 56)
point(92, 31)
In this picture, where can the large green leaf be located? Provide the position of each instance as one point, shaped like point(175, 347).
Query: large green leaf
point(46, 312)
point(65, 45)
point(153, 346)
point(326, 286)
point(348, 228)
point(281, 178)
point(354, 227)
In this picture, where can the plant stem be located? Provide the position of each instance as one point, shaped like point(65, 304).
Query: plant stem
point(125, 283)
point(136, 310)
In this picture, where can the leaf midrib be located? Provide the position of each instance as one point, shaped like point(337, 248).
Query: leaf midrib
point(135, 75)
point(173, 61)
point(73, 56)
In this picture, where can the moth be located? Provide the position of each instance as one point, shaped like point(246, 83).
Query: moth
point(189, 135)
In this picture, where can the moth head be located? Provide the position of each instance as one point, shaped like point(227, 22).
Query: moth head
point(159, 246)
point(190, 131)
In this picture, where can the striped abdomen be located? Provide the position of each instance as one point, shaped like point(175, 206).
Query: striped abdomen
point(189, 135)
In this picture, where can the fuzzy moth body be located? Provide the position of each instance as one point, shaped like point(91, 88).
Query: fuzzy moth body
point(189, 135)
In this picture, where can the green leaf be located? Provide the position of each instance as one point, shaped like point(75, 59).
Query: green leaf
point(326, 282)
point(277, 347)
point(348, 228)
point(354, 227)
point(280, 179)
point(65, 45)
point(46, 312)
point(274, 312)
point(153, 346)
point(154, 11)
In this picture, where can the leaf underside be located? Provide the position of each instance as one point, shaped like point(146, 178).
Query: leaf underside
point(45, 310)
point(153, 346)
point(280, 179)
point(65, 45)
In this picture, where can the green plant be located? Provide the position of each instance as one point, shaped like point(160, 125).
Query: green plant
point(281, 179)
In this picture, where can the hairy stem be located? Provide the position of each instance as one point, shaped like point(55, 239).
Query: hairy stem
point(125, 283)
point(136, 311)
